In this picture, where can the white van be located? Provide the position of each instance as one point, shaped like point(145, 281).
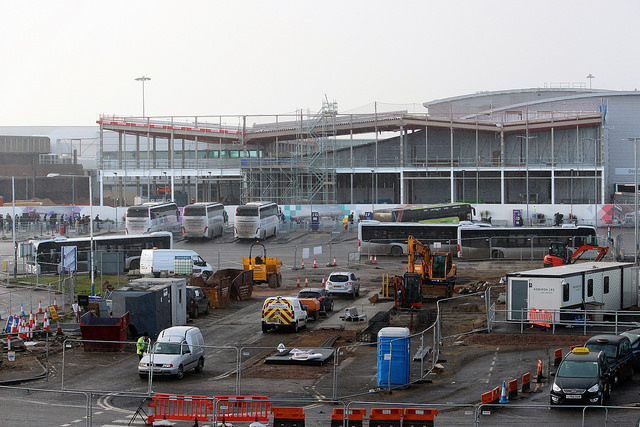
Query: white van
point(177, 350)
point(283, 312)
point(153, 262)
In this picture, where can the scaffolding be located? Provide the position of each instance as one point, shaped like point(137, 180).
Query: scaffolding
point(302, 170)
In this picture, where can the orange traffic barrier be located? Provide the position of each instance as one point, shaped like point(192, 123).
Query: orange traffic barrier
point(557, 357)
point(574, 346)
point(540, 317)
point(512, 388)
point(178, 407)
point(243, 408)
point(385, 417)
point(418, 417)
point(287, 417)
point(355, 417)
point(526, 382)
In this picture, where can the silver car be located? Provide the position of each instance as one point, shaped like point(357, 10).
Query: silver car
point(343, 283)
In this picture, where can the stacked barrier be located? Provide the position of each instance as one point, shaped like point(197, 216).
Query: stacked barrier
point(387, 417)
point(287, 417)
point(413, 417)
point(354, 417)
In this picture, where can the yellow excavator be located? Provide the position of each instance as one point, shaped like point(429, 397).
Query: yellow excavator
point(425, 268)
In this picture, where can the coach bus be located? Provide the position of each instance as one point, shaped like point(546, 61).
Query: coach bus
point(521, 242)
point(471, 240)
point(452, 212)
point(44, 256)
point(203, 220)
point(256, 220)
point(152, 216)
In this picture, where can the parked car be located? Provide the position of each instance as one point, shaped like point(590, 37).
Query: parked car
point(634, 337)
point(197, 301)
point(321, 294)
point(617, 349)
point(343, 282)
point(583, 378)
point(177, 350)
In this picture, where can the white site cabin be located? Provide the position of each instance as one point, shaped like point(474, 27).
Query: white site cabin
point(587, 285)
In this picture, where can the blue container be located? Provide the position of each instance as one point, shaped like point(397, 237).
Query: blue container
point(393, 356)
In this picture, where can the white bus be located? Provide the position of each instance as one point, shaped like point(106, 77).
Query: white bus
point(203, 219)
point(152, 216)
point(470, 241)
point(256, 220)
point(44, 256)
point(390, 238)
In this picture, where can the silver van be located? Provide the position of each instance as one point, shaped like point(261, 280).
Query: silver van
point(177, 350)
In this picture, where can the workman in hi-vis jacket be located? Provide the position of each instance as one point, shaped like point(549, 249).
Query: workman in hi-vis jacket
point(142, 345)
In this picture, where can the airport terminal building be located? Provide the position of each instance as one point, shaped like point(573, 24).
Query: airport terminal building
point(541, 146)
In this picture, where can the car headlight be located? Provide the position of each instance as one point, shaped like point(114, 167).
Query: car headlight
point(143, 364)
point(594, 389)
point(555, 387)
point(168, 365)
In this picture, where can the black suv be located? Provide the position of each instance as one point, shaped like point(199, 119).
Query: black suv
point(582, 378)
point(617, 348)
point(197, 301)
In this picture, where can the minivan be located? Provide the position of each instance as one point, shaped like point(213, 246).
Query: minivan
point(177, 350)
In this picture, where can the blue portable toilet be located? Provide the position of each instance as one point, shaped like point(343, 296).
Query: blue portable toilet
point(393, 356)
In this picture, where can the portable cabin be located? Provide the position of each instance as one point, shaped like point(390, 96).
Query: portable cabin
point(607, 286)
point(153, 304)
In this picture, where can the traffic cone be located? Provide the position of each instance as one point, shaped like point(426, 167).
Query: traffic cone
point(45, 324)
point(323, 282)
point(21, 327)
point(302, 264)
point(8, 342)
point(375, 259)
point(334, 261)
point(14, 325)
point(40, 307)
point(298, 283)
point(315, 264)
point(55, 302)
point(31, 318)
point(306, 282)
point(29, 332)
point(370, 259)
point(503, 395)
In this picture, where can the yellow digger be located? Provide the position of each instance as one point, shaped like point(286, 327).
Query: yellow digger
point(266, 269)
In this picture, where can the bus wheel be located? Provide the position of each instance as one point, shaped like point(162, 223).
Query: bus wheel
point(396, 251)
point(497, 254)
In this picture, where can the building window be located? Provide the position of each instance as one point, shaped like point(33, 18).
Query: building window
point(590, 287)
point(606, 284)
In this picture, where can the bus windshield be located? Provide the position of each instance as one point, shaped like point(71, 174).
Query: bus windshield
point(138, 212)
point(247, 211)
point(194, 211)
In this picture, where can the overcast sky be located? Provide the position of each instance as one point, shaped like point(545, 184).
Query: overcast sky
point(67, 62)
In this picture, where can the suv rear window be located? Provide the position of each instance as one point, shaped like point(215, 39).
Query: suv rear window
point(339, 278)
point(610, 349)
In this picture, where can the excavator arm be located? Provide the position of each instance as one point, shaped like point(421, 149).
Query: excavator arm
point(602, 251)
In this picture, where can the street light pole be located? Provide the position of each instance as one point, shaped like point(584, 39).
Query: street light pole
point(13, 228)
point(143, 79)
point(93, 287)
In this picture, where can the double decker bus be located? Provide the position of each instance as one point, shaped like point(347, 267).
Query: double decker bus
point(152, 216)
point(450, 212)
point(44, 256)
point(203, 219)
point(256, 220)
